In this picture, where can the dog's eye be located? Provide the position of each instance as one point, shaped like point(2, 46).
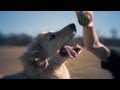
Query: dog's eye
point(52, 36)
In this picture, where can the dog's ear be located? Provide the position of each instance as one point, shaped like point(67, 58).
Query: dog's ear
point(35, 50)
point(32, 54)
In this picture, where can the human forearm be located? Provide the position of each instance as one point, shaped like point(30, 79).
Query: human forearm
point(91, 39)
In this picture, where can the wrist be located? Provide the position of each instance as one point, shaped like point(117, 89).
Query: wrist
point(90, 26)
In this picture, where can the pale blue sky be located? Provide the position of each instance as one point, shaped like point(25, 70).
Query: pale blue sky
point(35, 22)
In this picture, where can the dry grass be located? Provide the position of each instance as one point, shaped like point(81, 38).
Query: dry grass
point(86, 66)
point(9, 60)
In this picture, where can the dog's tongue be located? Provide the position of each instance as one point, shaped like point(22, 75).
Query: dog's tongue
point(70, 51)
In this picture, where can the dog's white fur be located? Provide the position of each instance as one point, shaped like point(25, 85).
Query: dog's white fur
point(42, 59)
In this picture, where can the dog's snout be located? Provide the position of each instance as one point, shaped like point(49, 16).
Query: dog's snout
point(73, 27)
point(68, 30)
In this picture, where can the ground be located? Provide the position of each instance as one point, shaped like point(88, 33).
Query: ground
point(85, 66)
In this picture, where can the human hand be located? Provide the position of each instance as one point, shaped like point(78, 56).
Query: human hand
point(85, 18)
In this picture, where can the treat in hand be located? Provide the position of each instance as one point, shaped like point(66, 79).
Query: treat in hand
point(84, 18)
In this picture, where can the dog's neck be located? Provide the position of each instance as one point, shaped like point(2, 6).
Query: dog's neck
point(46, 69)
point(49, 73)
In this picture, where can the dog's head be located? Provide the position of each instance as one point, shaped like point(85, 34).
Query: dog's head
point(51, 48)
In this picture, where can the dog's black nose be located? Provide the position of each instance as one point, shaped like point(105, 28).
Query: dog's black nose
point(73, 27)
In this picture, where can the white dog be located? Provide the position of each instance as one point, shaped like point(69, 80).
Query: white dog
point(46, 56)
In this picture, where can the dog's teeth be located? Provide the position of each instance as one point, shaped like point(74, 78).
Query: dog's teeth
point(36, 59)
point(78, 46)
point(58, 51)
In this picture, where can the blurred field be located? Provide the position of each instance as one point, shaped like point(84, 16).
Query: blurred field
point(86, 66)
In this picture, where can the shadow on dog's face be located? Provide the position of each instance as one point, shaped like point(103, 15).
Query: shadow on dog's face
point(51, 48)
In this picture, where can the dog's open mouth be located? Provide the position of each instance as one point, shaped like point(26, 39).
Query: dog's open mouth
point(69, 51)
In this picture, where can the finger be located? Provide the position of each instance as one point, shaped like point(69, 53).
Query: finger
point(90, 12)
point(78, 13)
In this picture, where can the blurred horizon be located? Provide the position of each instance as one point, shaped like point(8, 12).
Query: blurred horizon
point(35, 22)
